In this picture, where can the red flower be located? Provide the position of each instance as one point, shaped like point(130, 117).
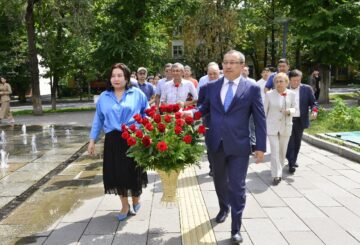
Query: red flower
point(197, 115)
point(146, 141)
point(176, 85)
point(157, 118)
point(201, 129)
point(161, 127)
point(177, 129)
point(139, 133)
point(180, 122)
point(163, 108)
point(133, 127)
point(169, 108)
point(283, 94)
point(187, 139)
point(315, 109)
point(149, 127)
point(152, 113)
point(178, 115)
point(188, 108)
point(124, 128)
point(176, 108)
point(162, 146)
point(149, 110)
point(145, 121)
point(138, 118)
point(189, 120)
point(125, 135)
point(167, 118)
point(131, 141)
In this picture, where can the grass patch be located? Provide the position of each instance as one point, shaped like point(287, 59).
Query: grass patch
point(61, 110)
point(340, 118)
point(347, 96)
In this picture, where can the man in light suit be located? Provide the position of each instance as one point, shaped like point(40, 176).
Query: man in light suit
point(305, 100)
point(229, 102)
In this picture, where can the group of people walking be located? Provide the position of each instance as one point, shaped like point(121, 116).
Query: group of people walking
point(228, 102)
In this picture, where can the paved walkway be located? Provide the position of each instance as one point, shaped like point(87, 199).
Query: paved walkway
point(319, 204)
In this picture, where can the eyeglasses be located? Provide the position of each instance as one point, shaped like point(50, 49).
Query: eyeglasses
point(141, 73)
point(231, 62)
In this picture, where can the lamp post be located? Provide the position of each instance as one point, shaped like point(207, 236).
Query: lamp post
point(285, 21)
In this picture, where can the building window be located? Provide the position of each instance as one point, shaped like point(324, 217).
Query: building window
point(178, 51)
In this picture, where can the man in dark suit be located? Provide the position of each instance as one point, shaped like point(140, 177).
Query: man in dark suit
point(228, 103)
point(305, 100)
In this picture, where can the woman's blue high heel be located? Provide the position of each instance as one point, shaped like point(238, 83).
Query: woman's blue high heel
point(136, 207)
point(122, 217)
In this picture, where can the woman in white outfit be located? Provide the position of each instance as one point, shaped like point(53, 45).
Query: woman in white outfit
point(279, 110)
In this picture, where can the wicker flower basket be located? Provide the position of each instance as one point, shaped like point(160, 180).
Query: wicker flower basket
point(169, 183)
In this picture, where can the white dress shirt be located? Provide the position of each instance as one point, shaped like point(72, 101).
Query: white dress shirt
point(297, 101)
point(172, 95)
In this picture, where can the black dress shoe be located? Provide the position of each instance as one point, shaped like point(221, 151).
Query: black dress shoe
point(296, 165)
point(292, 170)
point(237, 238)
point(211, 173)
point(221, 217)
point(276, 180)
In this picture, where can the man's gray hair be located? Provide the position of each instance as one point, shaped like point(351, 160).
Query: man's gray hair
point(168, 65)
point(178, 65)
point(295, 73)
point(238, 53)
point(214, 65)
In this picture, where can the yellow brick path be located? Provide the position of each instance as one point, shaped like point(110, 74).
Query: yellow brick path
point(194, 218)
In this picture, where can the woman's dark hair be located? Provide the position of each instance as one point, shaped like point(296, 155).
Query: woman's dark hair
point(127, 74)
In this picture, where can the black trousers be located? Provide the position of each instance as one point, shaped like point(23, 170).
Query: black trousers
point(294, 142)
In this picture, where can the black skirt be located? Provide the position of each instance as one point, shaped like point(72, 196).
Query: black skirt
point(121, 175)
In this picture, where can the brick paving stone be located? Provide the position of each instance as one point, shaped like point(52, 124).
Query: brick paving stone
point(301, 238)
point(329, 232)
point(285, 219)
point(263, 232)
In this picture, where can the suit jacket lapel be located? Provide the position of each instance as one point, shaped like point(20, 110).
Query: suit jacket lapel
point(218, 85)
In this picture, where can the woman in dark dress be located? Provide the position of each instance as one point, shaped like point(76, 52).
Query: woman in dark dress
point(117, 106)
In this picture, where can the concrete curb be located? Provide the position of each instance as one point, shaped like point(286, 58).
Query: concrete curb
point(332, 147)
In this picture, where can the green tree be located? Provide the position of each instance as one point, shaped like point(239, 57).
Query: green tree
point(329, 34)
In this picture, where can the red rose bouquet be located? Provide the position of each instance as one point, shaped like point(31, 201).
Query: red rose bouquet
point(165, 142)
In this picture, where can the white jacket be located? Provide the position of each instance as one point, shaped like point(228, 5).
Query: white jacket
point(277, 121)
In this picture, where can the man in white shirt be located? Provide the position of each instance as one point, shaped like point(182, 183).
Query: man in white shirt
point(161, 82)
point(264, 77)
point(176, 91)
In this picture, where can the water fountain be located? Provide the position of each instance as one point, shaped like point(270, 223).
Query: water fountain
point(67, 132)
point(53, 136)
point(33, 144)
point(23, 129)
point(25, 139)
point(4, 159)
point(3, 137)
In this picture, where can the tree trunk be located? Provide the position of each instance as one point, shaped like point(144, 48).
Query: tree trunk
point(273, 34)
point(297, 56)
point(53, 91)
point(265, 52)
point(33, 61)
point(324, 84)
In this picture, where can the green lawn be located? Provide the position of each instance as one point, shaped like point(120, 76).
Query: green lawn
point(29, 112)
point(347, 96)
